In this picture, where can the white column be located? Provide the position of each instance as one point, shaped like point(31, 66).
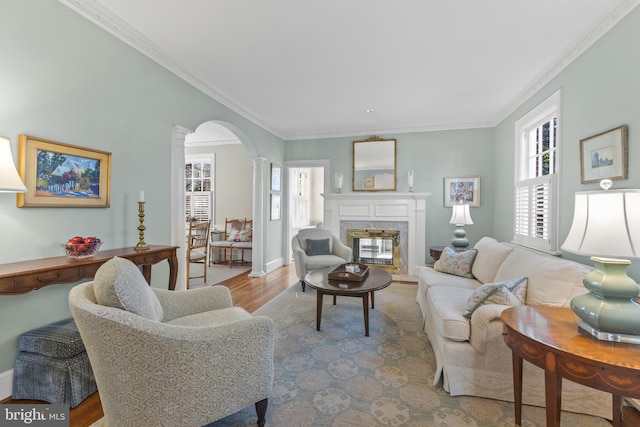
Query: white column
point(257, 251)
point(178, 135)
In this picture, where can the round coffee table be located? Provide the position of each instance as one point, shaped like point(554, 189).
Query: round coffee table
point(377, 279)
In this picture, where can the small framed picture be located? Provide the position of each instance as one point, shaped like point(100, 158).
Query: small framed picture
point(465, 189)
point(275, 207)
point(276, 182)
point(604, 156)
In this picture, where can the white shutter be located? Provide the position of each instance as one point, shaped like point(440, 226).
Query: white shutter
point(198, 205)
point(534, 221)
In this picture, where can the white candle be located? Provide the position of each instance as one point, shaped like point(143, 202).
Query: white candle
point(410, 178)
point(141, 198)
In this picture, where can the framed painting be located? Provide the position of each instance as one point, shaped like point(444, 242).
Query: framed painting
point(604, 156)
point(276, 175)
point(275, 207)
point(466, 189)
point(62, 175)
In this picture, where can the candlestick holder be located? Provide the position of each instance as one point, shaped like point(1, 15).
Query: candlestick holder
point(141, 246)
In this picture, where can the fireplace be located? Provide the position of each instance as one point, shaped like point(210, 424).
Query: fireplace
point(378, 248)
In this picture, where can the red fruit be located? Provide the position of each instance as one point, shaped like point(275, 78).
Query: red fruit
point(77, 239)
point(90, 240)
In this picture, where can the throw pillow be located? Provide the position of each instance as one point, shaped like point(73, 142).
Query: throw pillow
point(318, 247)
point(246, 235)
point(457, 263)
point(119, 283)
point(510, 292)
point(234, 236)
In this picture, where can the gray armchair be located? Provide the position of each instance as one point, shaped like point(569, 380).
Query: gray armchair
point(171, 358)
point(315, 248)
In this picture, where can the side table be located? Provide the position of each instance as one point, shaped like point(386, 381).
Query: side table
point(436, 251)
point(564, 352)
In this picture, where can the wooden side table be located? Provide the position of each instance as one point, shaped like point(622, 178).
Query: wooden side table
point(548, 337)
point(436, 251)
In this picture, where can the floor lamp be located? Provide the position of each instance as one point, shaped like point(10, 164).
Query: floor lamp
point(606, 226)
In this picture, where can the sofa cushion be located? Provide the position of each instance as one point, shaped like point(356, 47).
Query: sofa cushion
point(491, 254)
point(456, 263)
point(318, 247)
point(510, 292)
point(447, 305)
point(551, 281)
point(119, 283)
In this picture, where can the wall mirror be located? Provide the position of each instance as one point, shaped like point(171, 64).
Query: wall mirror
point(374, 164)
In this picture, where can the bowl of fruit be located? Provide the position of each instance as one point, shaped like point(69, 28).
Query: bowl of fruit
point(79, 247)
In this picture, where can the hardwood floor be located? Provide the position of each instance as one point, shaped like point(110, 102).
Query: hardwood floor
point(250, 294)
point(246, 292)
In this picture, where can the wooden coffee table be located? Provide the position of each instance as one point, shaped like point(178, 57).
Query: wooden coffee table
point(549, 338)
point(377, 279)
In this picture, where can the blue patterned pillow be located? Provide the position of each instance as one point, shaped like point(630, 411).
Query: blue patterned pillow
point(458, 263)
point(510, 292)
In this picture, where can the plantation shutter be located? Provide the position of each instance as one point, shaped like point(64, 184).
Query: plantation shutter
point(198, 205)
point(533, 221)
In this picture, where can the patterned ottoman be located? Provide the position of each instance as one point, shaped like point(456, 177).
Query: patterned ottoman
point(53, 366)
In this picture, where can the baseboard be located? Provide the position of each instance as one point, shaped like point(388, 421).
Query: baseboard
point(275, 264)
point(6, 384)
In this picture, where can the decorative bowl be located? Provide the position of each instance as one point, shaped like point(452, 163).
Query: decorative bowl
point(86, 249)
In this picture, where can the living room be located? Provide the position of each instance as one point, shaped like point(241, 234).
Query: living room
point(67, 80)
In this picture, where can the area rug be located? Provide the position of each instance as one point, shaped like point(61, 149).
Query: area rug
point(216, 273)
point(338, 377)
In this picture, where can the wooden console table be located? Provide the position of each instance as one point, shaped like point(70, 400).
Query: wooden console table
point(548, 337)
point(25, 276)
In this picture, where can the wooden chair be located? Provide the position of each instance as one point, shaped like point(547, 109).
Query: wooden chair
point(198, 247)
point(246, 240)
point(232, 229)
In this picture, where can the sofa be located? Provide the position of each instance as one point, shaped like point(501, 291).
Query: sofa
point(471, 356)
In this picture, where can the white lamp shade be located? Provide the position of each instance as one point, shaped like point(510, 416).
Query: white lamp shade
point(9, 179)
point(605, 224)
point(461, 215)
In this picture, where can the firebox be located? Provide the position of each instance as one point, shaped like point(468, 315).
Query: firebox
point(377, 248)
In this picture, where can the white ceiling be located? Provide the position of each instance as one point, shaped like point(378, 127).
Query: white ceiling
point(306, 69)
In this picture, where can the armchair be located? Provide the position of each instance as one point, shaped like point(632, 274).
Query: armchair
point(171, 358)
point(315, 248)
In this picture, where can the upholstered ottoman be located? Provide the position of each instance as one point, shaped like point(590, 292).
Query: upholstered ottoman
point(53, 365)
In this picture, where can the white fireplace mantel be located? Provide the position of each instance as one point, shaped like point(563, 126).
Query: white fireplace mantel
point(409, 207)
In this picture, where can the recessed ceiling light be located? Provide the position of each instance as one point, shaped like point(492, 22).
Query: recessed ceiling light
point(370, 110)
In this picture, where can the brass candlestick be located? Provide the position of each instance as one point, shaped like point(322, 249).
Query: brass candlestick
point(141, 246)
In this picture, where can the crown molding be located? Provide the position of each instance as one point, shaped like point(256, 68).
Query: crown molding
point(103, 18)
point(582, 43)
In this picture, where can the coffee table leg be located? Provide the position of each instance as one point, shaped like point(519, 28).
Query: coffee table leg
point(319, 308)
point(365, 306)
point(517, 387)
point(372, 300)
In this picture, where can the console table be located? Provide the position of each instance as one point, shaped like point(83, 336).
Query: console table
point(549, 338)
point(25, 276)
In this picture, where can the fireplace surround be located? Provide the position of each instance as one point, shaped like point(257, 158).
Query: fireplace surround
point(382, 211)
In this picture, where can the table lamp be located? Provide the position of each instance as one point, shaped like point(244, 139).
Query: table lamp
point(460, 217)
point(10, 181)
point(606, 226)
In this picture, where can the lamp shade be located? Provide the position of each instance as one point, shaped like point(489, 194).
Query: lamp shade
point(461, 215)
point(10, 181)
point(605, 224)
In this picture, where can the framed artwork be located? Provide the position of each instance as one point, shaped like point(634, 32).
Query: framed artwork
point(466, 189)
point(604, 156)
point(62, 175)
point(276, 182)
point(275, 207)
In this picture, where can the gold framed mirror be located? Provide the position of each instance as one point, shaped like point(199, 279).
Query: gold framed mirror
point(374, 164)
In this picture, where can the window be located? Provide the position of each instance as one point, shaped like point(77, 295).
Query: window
point(300, 200)
point(198, 178)
point(536, 176)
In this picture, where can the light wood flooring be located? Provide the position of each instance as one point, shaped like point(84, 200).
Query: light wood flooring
point(251, 294)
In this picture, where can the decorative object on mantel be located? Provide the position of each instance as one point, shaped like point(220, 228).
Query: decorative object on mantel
point(374, 164)
point(62, 175)
point(604, 156)
point(141, 246)
point(339, 179)
point(606, 225)
point(461, 216)
point(350, 272)
point(10, 181)
point(410, 181)
point(466, 189)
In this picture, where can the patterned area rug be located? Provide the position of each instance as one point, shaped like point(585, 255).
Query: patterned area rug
point(338, 377)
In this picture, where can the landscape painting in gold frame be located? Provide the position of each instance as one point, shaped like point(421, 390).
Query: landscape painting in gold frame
point(62, 175)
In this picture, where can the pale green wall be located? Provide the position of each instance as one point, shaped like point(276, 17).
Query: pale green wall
point(432, 156)
point(601, 90)
point(65, 79)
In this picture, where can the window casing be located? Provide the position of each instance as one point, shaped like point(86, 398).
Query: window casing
point(536, 176)
point(198, 178)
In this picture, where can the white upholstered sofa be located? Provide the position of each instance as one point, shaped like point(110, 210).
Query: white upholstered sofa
point(471, 356)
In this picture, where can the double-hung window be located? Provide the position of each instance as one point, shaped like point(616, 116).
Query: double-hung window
point(536, 176)
point(199, 187)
